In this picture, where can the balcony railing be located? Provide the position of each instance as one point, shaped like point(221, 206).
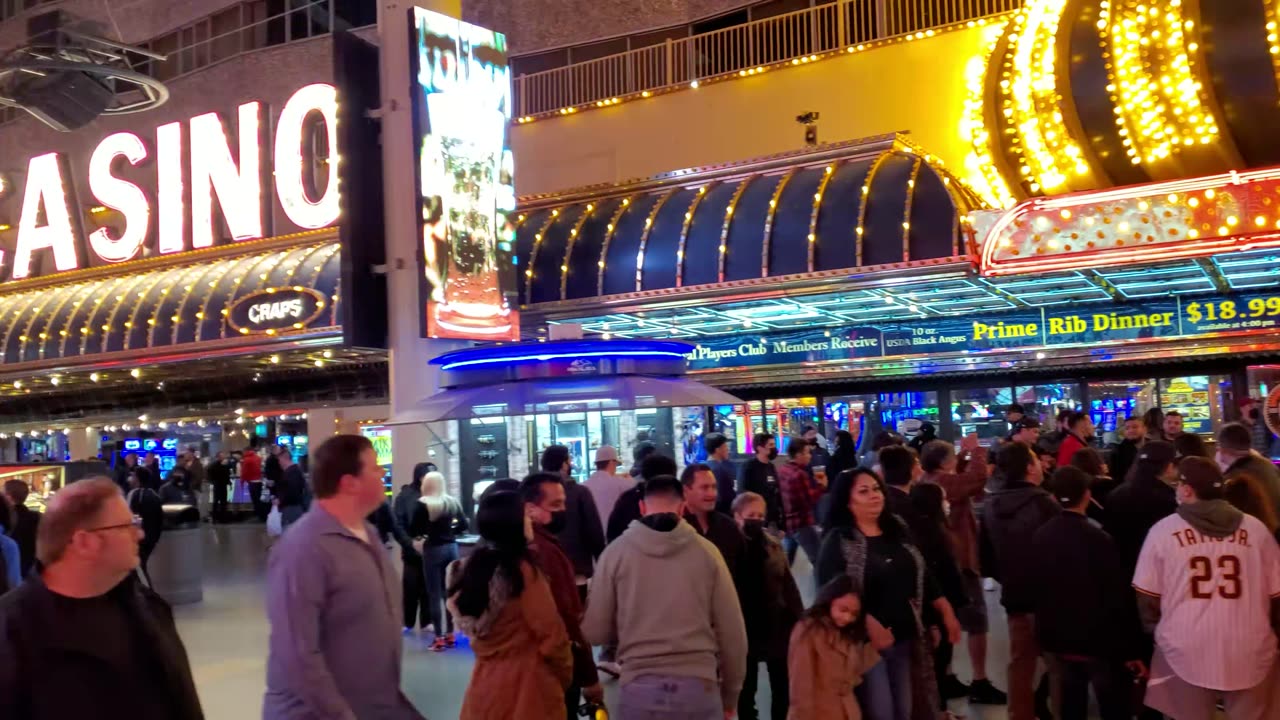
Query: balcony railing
point(682, 61)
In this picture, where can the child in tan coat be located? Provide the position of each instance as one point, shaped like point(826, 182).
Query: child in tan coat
point(829, 654)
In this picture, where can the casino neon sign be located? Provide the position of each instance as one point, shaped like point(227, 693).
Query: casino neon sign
point(195, 160)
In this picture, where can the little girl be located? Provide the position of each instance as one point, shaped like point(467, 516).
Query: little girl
point(829, 654)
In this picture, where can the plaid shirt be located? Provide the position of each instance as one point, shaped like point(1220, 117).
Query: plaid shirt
point(799, 496)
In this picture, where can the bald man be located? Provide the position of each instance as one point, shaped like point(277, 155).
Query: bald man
point(78, 633)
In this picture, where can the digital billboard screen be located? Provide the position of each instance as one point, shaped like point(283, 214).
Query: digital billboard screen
point(462, 107)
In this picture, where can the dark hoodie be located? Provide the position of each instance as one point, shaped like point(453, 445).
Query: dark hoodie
point(1010, 519)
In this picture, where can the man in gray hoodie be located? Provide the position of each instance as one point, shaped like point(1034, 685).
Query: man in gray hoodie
point(683, 651)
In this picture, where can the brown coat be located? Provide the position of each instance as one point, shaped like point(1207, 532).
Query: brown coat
point(824, 668)
point(962, 489)
point(523, 664)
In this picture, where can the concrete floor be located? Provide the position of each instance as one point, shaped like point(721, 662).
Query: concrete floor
point(226, 638)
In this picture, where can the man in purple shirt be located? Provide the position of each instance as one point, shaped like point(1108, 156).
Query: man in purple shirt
point(334, 601)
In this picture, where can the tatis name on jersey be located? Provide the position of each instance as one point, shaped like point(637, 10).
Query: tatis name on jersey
point(1189, 538)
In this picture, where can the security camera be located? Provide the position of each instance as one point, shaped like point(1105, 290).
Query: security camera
point(807, 118)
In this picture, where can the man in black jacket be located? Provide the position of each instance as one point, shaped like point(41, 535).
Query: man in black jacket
point(701, 494)
point(1010, 518)
point(1125, 454)
point(219, 474)
point(582, 537)
point(1143, 500)
point(627, 508)
point(82, 638)
point(760, 476)
point(28, 522)
point(1083, 622)
point(901, 469)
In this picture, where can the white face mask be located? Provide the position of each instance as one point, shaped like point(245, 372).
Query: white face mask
point(946, 508)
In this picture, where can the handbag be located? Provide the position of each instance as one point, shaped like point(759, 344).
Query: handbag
point(275, 522)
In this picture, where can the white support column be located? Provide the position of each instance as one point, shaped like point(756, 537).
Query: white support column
point(411, 377)
point(82, 444)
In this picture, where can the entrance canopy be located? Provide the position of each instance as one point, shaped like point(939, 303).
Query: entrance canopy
point(559, 377)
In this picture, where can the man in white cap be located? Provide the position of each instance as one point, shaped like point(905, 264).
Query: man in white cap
point(605, 483)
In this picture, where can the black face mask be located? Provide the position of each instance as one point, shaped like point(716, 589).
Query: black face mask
point(754, 529)
point(773, 453)
point(559, 519)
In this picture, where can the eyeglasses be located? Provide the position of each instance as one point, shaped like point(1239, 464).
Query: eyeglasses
point(136, 522)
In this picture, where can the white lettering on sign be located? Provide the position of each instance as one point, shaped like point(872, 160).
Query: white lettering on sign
point(45, 188)
point(173, 224)
point(302, 210)
point(238, 186)
point(120, 195)
point(233, 180)
point(279, 310)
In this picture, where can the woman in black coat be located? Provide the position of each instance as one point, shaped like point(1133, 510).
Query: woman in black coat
point(929, 528)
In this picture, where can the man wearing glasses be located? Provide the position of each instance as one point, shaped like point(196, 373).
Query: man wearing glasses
point(82, 637)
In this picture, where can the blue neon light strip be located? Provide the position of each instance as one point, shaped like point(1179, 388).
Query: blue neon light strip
point(544, 357)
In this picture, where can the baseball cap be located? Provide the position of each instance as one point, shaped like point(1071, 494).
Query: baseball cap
point(1158, 452)
point(606, 453)
point(1069, 484)
point(1025, 423)
point(1203, 475)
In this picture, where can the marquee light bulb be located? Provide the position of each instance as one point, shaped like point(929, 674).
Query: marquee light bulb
point(45, 187)
point(120, 195)
point(238, 186)
point(321, 99)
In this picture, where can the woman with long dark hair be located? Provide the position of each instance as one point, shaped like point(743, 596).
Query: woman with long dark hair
point(928, 524)
point(829, 654)
point(503, 602)
point(875, 549)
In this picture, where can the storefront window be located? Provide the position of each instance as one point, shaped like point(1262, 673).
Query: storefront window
point(783, 418)
point(981, 411)
point(865, 416)
point(1200, 399)
point(1111, 402)
point(731, 421)
point(1045, 401)
point(1263, 380)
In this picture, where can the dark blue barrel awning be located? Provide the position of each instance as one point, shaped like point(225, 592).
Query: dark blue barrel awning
point(864, 209)
point(159, 307)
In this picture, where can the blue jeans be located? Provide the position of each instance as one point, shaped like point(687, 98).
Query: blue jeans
point(807, 538)
point(668, 697)
point(885, 692)
point(435, 560)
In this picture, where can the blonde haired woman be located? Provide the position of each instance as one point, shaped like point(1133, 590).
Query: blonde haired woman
point(437, 522)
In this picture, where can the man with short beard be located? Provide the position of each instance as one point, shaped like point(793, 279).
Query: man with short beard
point(544, 503)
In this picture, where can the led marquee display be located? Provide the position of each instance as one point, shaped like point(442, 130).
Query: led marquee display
point(210, 173)
point(462, 106)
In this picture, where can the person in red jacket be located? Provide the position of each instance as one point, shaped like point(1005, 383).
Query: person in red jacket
point(1079, 431)
point(251, 474)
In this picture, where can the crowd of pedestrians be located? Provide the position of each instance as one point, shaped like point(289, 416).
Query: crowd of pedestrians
point(1148, 577)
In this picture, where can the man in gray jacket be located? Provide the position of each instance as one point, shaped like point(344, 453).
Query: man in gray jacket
point(333, 600)
point(682, 652)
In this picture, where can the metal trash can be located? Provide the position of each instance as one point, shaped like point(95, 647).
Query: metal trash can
point(177, 564)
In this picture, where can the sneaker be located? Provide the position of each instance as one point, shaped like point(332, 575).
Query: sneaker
point(951, 688)
point(610, 668)
point(982, 692)
point(439, 645)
